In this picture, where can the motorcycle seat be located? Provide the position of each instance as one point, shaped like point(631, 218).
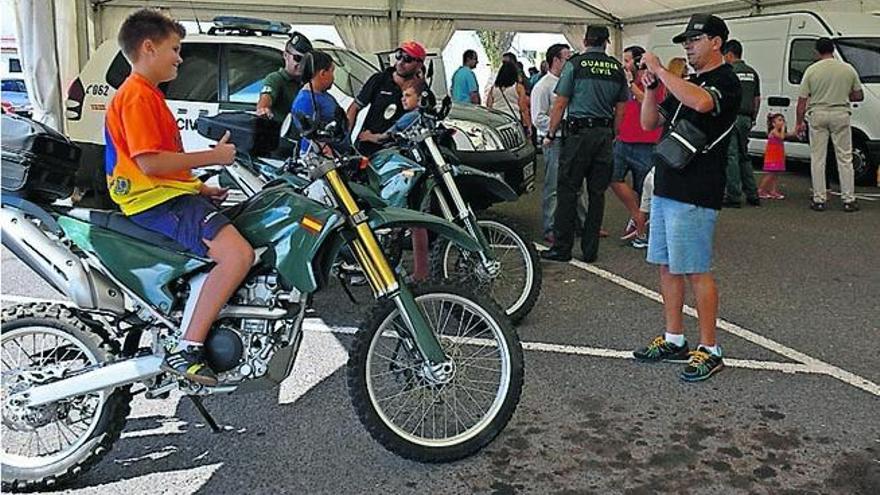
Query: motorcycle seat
point(119, 223)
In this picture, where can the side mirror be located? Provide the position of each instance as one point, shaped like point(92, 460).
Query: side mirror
point(306, 125)
point(446, 107)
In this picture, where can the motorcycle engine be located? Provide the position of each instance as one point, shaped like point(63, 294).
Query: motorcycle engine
point(239, 349)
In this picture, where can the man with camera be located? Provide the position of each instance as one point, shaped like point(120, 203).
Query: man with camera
point(689, 188)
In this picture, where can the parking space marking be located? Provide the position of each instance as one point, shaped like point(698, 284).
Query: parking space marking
point(810, 363)
point(317, 325)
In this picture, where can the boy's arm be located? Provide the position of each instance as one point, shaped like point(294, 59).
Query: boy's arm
point(167, 162)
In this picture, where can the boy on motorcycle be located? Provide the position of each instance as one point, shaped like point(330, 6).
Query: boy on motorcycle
point(150, 178)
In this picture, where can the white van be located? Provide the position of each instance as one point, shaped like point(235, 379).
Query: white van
point(780, 47)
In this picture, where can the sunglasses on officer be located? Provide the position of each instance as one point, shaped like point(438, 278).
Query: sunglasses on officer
point(295, 56)
point(405, 57)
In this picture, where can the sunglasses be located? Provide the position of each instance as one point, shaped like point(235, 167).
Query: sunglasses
point(295, 56)
point(690, 40)
point(406, 58)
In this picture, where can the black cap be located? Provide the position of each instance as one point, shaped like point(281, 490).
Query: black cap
point(299, 42)
point(596, 32)
point(708, 24)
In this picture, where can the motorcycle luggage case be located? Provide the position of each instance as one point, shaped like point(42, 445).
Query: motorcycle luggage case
point(37, 162)
point(249, 133)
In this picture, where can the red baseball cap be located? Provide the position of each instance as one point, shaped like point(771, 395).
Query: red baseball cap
point(414, 49)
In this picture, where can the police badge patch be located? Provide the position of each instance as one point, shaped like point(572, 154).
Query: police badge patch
point(390, 110)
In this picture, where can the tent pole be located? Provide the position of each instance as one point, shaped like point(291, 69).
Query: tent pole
point(394, 8)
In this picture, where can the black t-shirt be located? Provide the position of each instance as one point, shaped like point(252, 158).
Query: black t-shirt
point(383, 96)
point(701, 182)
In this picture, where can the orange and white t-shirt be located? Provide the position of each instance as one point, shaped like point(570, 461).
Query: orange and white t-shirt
point(138, 121)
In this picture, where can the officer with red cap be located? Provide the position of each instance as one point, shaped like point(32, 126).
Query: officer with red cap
point(383, 91)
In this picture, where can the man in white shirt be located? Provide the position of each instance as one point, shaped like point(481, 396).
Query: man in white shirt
point(543, 96)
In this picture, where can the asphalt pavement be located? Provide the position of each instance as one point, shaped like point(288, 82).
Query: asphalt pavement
point(797, 410)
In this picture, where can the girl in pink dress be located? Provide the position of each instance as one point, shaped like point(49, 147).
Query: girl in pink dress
point(774, 157)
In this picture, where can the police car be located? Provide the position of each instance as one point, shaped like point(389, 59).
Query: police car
point(223, 70)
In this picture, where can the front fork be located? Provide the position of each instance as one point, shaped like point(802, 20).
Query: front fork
point(464, 212)
point(384, 283)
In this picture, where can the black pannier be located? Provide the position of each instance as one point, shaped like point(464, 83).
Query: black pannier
point(251, 134)
point(38, 162)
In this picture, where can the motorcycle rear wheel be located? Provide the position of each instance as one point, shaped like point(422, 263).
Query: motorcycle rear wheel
point(516, 286)
point(48, 446)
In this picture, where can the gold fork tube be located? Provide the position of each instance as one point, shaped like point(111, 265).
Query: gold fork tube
point(370, 255)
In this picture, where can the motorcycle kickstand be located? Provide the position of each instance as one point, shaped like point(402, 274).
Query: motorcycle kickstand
point(197, 401)
point(343, 281)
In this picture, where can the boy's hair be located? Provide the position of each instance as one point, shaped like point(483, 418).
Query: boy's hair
point(146, 24)
point(314, 62)
point(770, 118)
point(468, 55)
point(419, 85)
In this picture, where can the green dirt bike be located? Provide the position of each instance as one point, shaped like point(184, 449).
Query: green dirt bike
point(434, 374)
point(422, 175)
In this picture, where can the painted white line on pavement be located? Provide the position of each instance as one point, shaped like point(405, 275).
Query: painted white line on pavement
point(860, 196)
point(4, 298)
point(814, 365)
point(318, 325)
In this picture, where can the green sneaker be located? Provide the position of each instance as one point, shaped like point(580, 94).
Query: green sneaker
point(701, 366)
point(660, 350)
point(190, 364)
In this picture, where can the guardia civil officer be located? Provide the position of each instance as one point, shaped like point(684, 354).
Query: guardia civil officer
point(593, 88)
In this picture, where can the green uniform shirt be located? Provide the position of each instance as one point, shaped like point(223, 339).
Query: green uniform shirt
point(751, 86)
point(594, 83)
point(828, 83)
point(283, 88)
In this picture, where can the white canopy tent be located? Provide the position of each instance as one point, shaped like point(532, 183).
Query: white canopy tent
point(61, 33)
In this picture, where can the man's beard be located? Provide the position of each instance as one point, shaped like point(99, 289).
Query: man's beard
point(406, 76)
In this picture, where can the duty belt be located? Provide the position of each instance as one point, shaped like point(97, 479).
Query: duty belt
point(575, 124)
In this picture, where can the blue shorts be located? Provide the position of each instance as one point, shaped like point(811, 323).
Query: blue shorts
point(189, 219)
point(635, 157)
point(681, 236)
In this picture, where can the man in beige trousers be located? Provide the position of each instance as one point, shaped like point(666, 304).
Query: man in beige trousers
point(827, 89)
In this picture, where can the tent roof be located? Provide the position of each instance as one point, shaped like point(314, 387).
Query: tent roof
point(518, 15)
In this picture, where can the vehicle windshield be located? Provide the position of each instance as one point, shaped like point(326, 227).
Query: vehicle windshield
point(864, 55)
point(353, 69)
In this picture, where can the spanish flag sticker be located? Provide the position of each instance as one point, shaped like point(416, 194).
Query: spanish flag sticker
point(311, 224)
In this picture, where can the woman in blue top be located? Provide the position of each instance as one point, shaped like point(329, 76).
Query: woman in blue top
point(318, 69)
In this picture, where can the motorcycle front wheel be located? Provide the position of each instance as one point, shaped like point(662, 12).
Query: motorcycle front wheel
point(413, 415)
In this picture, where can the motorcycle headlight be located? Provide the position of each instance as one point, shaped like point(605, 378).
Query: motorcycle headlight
point(481, 137)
